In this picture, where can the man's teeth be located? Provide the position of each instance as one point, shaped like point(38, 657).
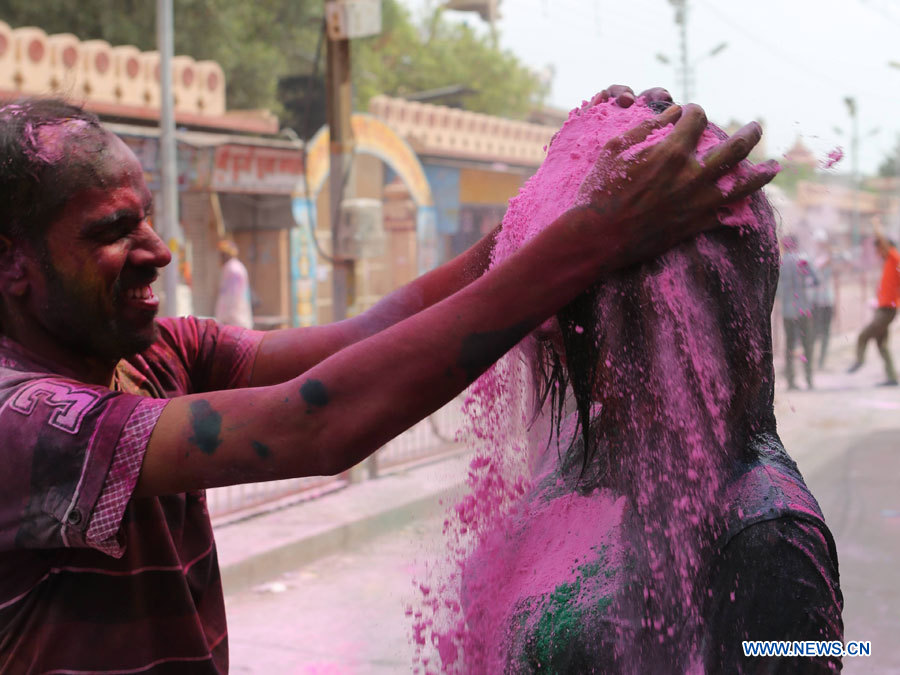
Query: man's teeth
point(143, 293)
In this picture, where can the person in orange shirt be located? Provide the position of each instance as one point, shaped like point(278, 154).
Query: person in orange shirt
point(888, 299)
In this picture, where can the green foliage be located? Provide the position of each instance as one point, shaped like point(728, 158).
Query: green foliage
point(254, 42)
point(259, 42)
point(117, 21)
point(407, 58)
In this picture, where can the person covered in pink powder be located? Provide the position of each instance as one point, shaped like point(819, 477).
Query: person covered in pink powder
point(666, 523)
point(113, 423)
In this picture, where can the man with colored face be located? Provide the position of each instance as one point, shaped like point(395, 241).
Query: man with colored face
point(98, 257)
point(112, 423)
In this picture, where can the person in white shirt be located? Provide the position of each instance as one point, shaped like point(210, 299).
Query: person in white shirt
point(233, 304)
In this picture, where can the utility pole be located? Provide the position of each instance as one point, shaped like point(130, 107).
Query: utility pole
point(685, 68)
point(168, 213)
point(681, 18)
point(339, 103)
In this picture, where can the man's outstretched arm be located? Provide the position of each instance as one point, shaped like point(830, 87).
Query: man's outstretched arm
point(352, 402)
point(284, 354)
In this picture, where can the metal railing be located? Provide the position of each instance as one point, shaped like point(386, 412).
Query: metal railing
point(433, 436)
point(429, 439)
point(245, 499)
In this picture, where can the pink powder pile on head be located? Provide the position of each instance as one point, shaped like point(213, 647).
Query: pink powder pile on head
point(572, 154)
point(503, 544)
point(52, 141)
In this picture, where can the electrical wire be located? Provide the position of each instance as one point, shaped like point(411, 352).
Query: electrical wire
point(782, 54)
point(885, 14)
point(581, 15)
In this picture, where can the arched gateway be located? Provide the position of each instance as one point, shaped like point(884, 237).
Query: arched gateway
point(371, 137)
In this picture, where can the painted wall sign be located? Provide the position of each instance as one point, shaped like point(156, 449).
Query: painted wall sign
point(193, 163)
point(246, 168)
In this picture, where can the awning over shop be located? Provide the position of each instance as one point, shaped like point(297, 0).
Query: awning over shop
point(219, 162)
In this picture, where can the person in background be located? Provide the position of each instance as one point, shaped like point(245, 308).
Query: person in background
point(823, 296)
point(886, 310)
point(795, 285)
point(233, 303)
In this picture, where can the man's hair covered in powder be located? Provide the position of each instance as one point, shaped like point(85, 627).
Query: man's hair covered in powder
point(36, 136)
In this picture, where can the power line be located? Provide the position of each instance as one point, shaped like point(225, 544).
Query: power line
point(724, 18)
point(580, 15)
point(774, 49)
point(882, 11)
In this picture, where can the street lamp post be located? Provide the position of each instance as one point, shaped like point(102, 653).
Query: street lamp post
point(850, 102)
point(896, 64)
point(856, 178)
point(681, 10)
point(856, 184)
point(167, 223)
point(687, 69)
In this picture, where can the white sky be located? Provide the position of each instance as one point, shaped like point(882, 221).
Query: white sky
point(789, 63)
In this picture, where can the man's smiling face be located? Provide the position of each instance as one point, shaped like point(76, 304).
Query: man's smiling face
point(91, 289)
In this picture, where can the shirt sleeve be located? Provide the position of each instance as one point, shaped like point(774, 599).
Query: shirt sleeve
point(72, 454)
point(776, 580)
point(215, 356)
point(121, 479)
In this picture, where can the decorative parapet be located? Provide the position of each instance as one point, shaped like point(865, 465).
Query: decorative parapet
point(102, 76)
point(448, 132)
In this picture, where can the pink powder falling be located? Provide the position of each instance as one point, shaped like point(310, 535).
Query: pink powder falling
point(501, 547)
point(833, 158)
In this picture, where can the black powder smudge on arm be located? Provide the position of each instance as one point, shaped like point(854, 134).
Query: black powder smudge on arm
point(315, 394)
point(261, 450)
point(206, 423)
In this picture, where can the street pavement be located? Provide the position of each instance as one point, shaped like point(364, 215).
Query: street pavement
point(344, 612)
point(341, 614)
point(845, 436)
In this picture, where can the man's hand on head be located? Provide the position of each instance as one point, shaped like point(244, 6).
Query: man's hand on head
point(663, 194)
point(625, 97)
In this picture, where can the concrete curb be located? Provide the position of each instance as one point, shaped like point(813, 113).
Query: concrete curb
point(264, 547)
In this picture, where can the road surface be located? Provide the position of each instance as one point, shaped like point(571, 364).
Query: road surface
point(345, 613)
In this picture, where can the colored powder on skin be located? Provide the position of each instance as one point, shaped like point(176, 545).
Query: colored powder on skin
point(52, 141)
point(48, 143)
point(520, 534)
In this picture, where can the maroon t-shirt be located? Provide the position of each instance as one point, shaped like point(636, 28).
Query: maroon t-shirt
point(91, 580)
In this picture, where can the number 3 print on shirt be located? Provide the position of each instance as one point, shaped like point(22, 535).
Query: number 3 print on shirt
point(70, 403)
